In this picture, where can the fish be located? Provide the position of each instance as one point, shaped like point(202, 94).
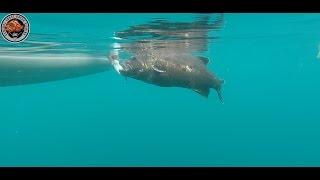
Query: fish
point(170, 69)
point(167, 54)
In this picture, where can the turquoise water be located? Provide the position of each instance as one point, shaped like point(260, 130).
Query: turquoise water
point(270, 115)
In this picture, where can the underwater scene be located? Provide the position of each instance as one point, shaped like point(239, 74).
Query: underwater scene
point(159, 89)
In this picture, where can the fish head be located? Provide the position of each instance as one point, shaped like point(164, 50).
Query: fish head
point(133, 68)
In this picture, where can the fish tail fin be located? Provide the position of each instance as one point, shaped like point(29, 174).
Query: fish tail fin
point(220, 96)
point(219, 91)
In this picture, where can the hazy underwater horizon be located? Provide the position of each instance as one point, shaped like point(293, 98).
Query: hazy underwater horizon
point(63, 104)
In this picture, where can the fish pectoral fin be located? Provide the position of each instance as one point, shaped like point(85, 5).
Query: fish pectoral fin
point(204, 60)
point(203, 92)
point(157, 69)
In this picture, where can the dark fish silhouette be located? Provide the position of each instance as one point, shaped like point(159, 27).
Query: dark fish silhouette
point(171, 70)
point(167, 57)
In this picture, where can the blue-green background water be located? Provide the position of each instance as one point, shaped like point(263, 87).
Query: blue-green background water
point(270, 116)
